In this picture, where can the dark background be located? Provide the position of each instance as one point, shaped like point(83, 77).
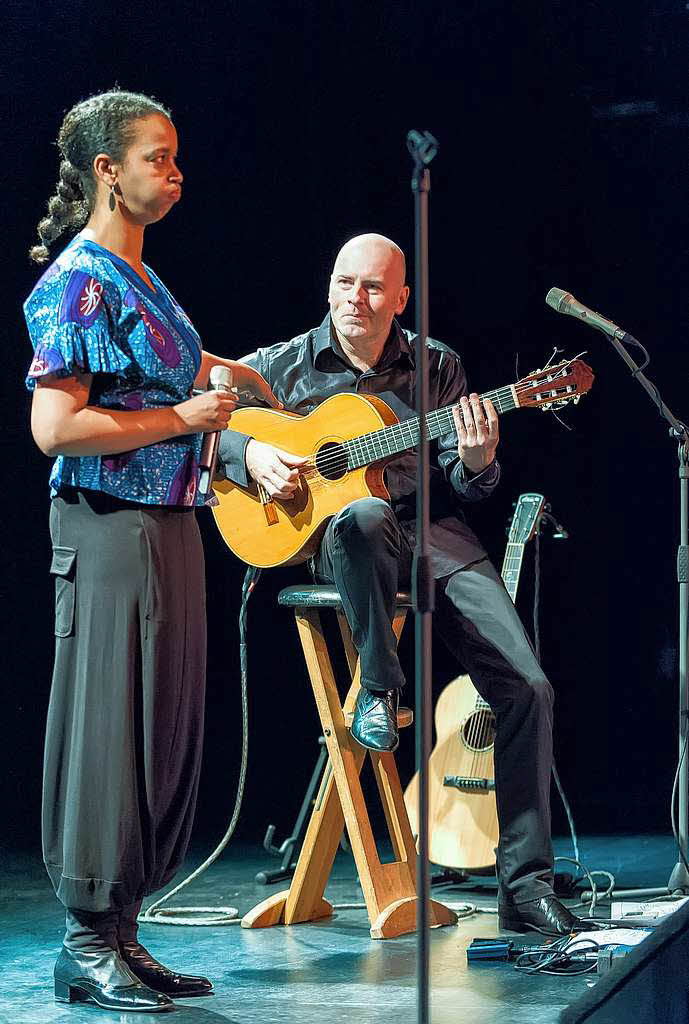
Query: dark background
point(562, 161)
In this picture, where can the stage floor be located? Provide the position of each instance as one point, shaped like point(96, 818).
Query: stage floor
point(330, 970)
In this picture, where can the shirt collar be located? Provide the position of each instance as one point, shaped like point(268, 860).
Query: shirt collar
point(326, 346)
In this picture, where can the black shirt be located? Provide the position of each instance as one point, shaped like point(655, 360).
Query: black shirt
point(308, 369)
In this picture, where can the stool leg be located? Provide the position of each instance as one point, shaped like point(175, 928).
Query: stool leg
point(398, 916)
point(384, 765)
point(384, 885)
point(390, 789)
point(305, 901)
point(346, 761)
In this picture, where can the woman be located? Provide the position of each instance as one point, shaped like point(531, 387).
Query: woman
point(114, 364)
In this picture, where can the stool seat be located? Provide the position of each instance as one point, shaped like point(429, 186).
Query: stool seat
point(324, 595)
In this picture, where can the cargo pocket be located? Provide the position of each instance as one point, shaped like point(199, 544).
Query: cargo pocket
point(64, 569)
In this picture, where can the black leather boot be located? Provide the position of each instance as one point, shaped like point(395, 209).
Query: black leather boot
point(545, 914)
point(103, 978)
point(154, 974)
point(374, 725)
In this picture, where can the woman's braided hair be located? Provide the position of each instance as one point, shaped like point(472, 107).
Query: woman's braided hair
point(99, 124)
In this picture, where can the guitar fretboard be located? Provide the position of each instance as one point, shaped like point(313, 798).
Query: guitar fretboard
point(511, 568)
point(399, 437)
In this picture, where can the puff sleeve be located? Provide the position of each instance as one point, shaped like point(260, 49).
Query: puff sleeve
point(73, 318)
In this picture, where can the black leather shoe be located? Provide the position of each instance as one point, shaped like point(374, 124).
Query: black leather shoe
point(545, 914)
point(374, 725)
point(104, 979)
point(154, 974)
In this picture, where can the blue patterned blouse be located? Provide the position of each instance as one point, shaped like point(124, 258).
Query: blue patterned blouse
point(92, 311)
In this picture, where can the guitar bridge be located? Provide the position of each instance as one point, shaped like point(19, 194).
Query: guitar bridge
point(467, 784)
point(268, 504)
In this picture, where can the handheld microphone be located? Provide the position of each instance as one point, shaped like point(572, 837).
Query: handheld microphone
point(563, 302)
point(220, 379)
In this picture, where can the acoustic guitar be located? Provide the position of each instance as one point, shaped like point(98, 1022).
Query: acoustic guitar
point(348, 439)
point(462, 814)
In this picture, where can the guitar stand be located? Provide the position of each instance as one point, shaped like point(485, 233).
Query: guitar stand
point(286, 849)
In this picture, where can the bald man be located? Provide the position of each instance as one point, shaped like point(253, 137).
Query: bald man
point(366, 551)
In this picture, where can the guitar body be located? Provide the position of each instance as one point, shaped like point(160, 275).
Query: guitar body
point(462, 827)
point(298, 524)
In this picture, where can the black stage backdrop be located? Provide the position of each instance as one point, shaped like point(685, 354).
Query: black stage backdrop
point(562, 161)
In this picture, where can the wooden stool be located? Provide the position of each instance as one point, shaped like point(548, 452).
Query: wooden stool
point(389, 889)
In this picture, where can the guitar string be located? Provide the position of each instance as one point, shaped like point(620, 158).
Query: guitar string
point(473, 741)
point(480, 735)
point(486, 714)
point(397, 431)
point(487, 717)
point(364, 451)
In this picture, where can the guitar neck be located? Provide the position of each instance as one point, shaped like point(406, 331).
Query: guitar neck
point(399, 437)
point(512, 567)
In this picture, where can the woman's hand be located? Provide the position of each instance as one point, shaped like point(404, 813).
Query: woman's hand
point(206, 413)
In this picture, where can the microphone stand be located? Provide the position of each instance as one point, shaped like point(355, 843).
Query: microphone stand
point(679, 878)
point(423, 148)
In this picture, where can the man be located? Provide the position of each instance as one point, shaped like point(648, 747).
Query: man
point(367, 549)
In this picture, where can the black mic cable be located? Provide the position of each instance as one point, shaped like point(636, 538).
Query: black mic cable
point(157, 913)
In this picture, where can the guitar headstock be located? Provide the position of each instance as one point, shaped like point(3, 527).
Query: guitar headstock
point(527, 513)
point(555, 386)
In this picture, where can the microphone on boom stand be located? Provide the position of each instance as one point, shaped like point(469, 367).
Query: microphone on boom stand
point(564, 302)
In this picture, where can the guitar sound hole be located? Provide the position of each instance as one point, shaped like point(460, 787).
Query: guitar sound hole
point(331, 461)
point(478, 730)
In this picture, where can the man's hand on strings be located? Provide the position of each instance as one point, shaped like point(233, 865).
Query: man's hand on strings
point(274, 469)
point(477, 432)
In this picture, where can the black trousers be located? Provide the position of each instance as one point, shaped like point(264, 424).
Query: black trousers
point(366, 554)
point(125, 721)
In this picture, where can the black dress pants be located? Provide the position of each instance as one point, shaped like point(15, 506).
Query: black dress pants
point(366, 554)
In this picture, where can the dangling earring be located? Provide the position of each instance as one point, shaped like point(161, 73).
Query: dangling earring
point(111, 200)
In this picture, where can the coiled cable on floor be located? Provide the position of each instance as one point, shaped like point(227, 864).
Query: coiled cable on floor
point(155, 914)
point(594, 888)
